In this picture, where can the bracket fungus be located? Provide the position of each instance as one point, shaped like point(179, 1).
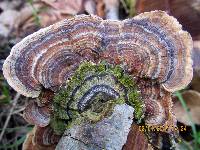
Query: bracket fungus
point(91, 64)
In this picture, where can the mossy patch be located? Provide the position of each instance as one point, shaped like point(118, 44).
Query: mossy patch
point(91, 94)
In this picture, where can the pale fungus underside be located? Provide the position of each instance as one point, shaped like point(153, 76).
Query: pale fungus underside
point(91, 65)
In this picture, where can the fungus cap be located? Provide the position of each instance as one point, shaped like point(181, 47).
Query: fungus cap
point(151, 45)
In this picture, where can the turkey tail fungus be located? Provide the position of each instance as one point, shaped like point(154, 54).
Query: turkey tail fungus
point(95, 68)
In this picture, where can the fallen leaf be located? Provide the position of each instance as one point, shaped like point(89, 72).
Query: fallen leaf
point(100, 5)
point(196, 57)
point(10, 4)
point(8, 19)
point(195, 84)
point(186, 11)
point(192, 100)
point(66, 6)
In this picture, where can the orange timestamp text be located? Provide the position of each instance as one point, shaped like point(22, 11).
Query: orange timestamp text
point(159, 128)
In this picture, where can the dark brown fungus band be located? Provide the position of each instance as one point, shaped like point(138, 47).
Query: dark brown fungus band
point(37, 115)
point(86, 61)
point(45, 136)
point(41, 139)
point(151, 45)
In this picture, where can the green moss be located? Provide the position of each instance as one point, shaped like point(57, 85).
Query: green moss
point(58, 125)
point(137, 104)
point(60, 112)
point(117, 71)
point(85, 78)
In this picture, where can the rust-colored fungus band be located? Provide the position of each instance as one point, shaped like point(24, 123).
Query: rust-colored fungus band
point(151, 45)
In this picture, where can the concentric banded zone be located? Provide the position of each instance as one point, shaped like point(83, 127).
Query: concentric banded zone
point(151, 45)
point(92, 93)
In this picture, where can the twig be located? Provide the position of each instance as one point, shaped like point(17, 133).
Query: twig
point(9, 115)
point(18, 110)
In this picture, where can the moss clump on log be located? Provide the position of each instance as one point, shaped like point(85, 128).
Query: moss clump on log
point(91, 94)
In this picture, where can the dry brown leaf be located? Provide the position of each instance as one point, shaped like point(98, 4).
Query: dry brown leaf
point(13, 14)
point(10, 4)
point(195, 84)
point(72, 7)
point(50, 17)
point(196, 57)
point(4, 30)
point(8, 19)
point(46, 15)
point(100, 8)
point(66, 6)
point(25, 13)
point(28, 144)
point(192, 99)
point(186, 11)
point(48, 12)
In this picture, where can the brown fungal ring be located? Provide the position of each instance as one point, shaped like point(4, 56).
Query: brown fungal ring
point(182, 64)
point(151, 47)
point(174, 66)
point(171, 65)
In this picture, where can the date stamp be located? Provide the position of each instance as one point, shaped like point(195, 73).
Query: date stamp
point(159, 128)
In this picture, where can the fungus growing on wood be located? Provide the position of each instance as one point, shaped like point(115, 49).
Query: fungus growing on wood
point(89, 62)
point(92, 93)
point(40, 139)
point(150, 45)
point(37, 115)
